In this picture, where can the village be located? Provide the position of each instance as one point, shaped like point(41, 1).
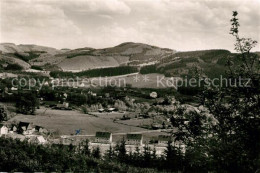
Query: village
point(70, 115)
point(130, 86)
point(25, 131)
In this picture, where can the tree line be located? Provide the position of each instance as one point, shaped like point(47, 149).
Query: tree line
point(101, 72)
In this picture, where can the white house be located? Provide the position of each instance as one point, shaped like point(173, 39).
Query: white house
point(3, 130)
point(36, 139)
point(101, 110)
point(153, 95)
point(14, 89)
point(40, 140)
point(110, 109)
point(64, 105)
point(103, 137)
point(134, 139)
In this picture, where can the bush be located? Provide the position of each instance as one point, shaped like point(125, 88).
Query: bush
point(148, 69)
point(36, 67)
point(31, 55)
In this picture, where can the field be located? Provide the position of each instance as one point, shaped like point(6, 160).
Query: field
point(154, 80)
point(67, 122)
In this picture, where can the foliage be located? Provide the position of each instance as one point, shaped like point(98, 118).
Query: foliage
point(223, 136)
point(26, 157)
point(90, 52)
point(111, 71)
point(30, 56)
point(3, 113)
point(148, 69)
point(15, 67)
point(26, 103)
point(36, 67)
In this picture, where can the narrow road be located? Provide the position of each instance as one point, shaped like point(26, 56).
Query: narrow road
point(124, 133)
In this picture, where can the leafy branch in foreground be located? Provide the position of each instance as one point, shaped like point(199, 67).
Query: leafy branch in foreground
point(229, 125)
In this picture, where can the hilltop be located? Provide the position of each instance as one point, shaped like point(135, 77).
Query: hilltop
point(83, 58)
point(146, 58)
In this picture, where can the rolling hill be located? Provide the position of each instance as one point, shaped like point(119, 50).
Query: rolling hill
point(148, 59)
point(83, 58)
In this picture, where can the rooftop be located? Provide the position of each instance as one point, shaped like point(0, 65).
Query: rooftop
point(134, 136)
point(164, 138)
point(103, 134)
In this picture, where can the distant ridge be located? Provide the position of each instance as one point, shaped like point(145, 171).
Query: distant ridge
point(80, 59)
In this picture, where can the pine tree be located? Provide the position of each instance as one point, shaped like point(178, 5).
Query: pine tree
point(96, 153)
point(109, 154)
point(86, 150)
point(147, 156)
point(122, 151)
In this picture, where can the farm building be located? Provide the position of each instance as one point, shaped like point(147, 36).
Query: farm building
point(103, 137)
point(134, 139)
point(163, 140)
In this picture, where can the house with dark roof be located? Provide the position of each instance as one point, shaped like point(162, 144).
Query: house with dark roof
point(134, 139)
point(25, 128)
point(40, 129)
point(12, 127)
point(103, 137)
point(164, 139)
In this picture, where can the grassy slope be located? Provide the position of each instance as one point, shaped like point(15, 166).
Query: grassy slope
point(209, 62)
point(68, 121)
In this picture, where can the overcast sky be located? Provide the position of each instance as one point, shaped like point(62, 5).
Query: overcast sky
point(176, 24)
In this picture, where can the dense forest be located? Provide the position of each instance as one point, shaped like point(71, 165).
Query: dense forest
point(23, 156)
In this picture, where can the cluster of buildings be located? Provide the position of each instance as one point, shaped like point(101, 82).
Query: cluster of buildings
point(134, 139)
point(38, 135)
point(24, 131)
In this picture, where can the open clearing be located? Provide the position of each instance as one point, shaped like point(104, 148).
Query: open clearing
point(66, 122)
point(154, 80)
